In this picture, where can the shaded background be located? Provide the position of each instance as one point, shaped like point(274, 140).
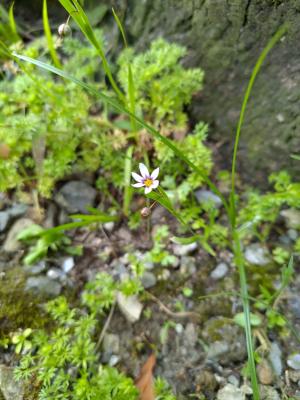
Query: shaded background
point(224, 37)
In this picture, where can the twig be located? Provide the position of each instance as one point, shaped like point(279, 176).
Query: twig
point(106, 325)
point(180, 314)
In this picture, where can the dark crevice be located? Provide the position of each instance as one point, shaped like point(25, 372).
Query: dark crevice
point(246, 13)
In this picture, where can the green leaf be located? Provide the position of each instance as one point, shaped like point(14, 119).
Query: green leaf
point(48, 34)
point(185, 240)
point(239, 319)
point(119, 107)
point(296, 157)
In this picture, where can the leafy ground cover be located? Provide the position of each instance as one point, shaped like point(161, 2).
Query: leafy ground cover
point(102, 280)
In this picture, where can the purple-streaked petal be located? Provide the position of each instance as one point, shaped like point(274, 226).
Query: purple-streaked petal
point(155, 173)
point(144, 170)
point(155, 184)
point(138, 185)
point(148, 190)
point(137, 177)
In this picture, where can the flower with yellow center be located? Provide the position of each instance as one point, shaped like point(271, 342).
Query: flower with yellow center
point(146, 179)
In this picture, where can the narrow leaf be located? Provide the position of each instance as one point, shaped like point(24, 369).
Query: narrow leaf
point(48, 34)
point(145, 381)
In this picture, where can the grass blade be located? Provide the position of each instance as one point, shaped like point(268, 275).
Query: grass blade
point(122, 109)
point(12, 22)
point(77, 13)
point(127, 178)
point(49, 37)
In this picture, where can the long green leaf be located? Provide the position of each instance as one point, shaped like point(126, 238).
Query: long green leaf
point(77, 13)
point(12, 22)
point(119, 107)
point(48, 34)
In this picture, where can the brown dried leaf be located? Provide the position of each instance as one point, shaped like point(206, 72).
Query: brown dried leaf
point(145, 380)
point(4, 151)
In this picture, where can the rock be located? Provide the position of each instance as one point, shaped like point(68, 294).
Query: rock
point(56, 274)
point(111, 346)
point(220, 271)
point(50, 216)
point(109, 226)
point(43, 285)
point(11, 243)
point(17, 210)
point(294, 376)
point(164, 275)
point(292, 234)
point(275, 356)
point(294, 305)
point(226, 340)
point(148, 280)
point(113, 360)
point(4, 219)
point(68, 264)
point(130, 307)
point(75, 196)
point(264, 372)
point(206, 196)
point(230, 392)
point(187, 265)
point(256, 254)
point(36, 268)
point(190, 335)
point(184, 249)
point(268, 393)
point(233, 380)
point(292, 217)
point(10, 388)
point(293, 361)
point(179, 329)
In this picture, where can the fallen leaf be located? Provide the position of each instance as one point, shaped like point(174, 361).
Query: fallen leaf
point(145, 380)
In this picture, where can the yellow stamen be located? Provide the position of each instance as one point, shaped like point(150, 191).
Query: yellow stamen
point(148, 182)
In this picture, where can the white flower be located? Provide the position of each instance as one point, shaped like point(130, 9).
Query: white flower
point(146, 179)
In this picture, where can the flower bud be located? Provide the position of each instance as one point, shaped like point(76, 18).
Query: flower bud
point(64, 30)
point(145, 212)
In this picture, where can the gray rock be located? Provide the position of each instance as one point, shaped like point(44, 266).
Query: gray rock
point(11, 243)
point(292, 234)
point(148, 280)
point(233, 380)
point(4, 219)
point(109, 226)
point(68, 264)
point(220, 271)
point(184, 249)
point(294, 305)
point(293, 361)
point(130, 307)
point(17, 210)
point(190, 335)
point(111, 346)
point(230, 392)
point(56, 274)
point(114, 359)
point(50, 216)
point(10, 388)
point(268, 393)
point(257, 255)
point(43, 285)
point(75, 196)
point(217, 349)
point(292, 217)
point(206, 196)
point(36, 268)
point(275, 358)
point(187, 265)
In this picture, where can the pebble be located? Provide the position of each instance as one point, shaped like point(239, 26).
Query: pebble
point(76, 196)
point(114, 359)
point(36, 268)
point(148, 280)
point(206, 196)
point(184, 249)
point(230, 392)
point(275, 358)
point(111, 346)
point(187, 265)
point(11, 243)
point(264, 372)
point(190, 335)
point(233, 380)
point(130, 307)
point(68, 264)
point(179, 328)
point(4, 219)
point(256, 254)
point(292, 217)
point(268, 393)
point(43, 285)
point(56, 274)
point(109, 226)
point(292, 234)
point(220, 271)
point(293, 361)
point(9, 387)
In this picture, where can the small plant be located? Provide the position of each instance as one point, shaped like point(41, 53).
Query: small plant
point(21, 341)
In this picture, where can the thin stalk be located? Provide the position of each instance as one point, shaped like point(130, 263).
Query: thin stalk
point(239, 257)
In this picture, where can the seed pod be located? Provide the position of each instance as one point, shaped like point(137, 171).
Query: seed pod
point(4, 151)
point(64, 30)
point(145, 212)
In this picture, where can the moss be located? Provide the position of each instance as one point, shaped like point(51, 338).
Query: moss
point(18, 308)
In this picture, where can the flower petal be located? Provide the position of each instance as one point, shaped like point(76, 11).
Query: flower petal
point(148, 190)
point(144, 170)
point(155, 184)
point(138, 185)
point(155, 173)
point(137, 177)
